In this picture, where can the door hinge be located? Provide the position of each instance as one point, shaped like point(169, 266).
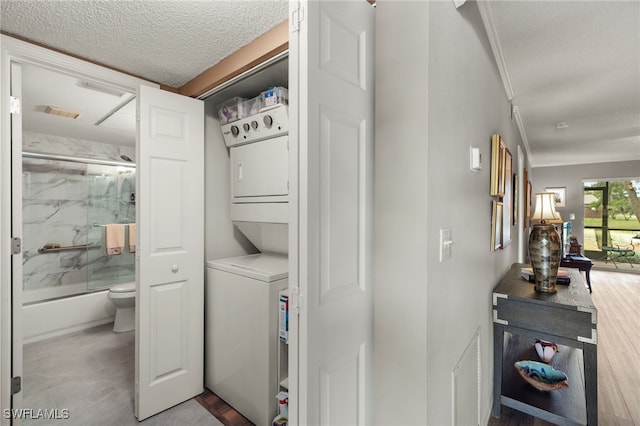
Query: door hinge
point(297, 16)
point(16, 245)
point(296, 300)
point(16, 385)
point(14, 105)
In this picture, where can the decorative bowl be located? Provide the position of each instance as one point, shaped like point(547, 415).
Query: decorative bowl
point(542, 376)
point(546, 350)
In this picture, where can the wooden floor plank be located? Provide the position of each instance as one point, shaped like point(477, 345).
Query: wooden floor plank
point(221, 410)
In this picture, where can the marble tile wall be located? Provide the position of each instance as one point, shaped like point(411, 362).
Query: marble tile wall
point(61, 203)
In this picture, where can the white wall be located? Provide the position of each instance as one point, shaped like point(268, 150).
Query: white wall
point(467, 104)
point(400, 214)
point(222, 239)
point(572, 178)
point(439, 92)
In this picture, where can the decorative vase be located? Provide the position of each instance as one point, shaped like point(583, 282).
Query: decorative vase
point(544, 251)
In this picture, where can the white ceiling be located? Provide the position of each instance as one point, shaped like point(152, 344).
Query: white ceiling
point(576, 62)
point(566, 61)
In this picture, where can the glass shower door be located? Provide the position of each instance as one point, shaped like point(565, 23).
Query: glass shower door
point(111, 201)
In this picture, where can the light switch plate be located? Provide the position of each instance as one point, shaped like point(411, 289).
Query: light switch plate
point(475, 159)
point(446, 241)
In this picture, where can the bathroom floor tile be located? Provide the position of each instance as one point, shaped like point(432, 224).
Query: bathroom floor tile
point(90, 373)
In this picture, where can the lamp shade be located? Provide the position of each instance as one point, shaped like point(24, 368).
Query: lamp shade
point(545, 211)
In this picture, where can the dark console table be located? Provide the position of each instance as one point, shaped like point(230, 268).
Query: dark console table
point(580, 262)
point(568, 318)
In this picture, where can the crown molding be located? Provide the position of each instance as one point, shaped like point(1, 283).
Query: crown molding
point(515, 112)
point(494, 40)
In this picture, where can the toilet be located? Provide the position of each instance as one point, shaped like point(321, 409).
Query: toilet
point(124, 297)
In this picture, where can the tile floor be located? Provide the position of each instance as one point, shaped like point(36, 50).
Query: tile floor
point(90, 373)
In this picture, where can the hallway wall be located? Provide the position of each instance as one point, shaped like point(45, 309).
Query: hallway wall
point(439, 92)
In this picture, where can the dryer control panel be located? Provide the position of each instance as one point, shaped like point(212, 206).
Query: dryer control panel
point(268, 123)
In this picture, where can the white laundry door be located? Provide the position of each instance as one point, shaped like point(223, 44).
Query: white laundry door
point(16, 232)
point(170, 252)
point(331, 87)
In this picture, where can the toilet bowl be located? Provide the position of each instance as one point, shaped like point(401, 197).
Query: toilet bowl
point(124, 297)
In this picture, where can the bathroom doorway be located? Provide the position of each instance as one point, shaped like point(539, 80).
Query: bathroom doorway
point(74, 154)
point(169, 282)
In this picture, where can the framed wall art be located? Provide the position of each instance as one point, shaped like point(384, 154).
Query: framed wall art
point(525, 198)
point(498, 149)
point(507, 199)
point(561, 194)
point(516, 194)
point(496, 225)
point(529, 204)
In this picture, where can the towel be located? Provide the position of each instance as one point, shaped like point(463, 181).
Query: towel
point(132, 238)
point(114, 238)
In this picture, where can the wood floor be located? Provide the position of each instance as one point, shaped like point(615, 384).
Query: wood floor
point(221, 410)
point(617, 297)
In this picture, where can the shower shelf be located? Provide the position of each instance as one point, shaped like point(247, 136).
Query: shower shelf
point(42, 250)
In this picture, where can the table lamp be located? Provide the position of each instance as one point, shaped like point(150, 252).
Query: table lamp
point(544, 243)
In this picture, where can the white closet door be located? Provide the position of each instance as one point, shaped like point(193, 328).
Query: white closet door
point(170, 252)
point(16, 232)
point(331, 87)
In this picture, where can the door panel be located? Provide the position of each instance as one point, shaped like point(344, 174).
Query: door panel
point(16, 231)
point(595, 221)
point(170, 281)
point(331, 83)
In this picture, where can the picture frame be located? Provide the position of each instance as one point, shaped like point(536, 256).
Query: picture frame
point(529, 204)
point(496, 225)
point(507, 199)
point(526, 195)
point(516, 193)
point(497, 166)
point(561, 194)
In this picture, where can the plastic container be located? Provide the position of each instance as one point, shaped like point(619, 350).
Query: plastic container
point(251, 107)
point(280, 421)
point(274, 96)
point(231, 110)
point(283, 403)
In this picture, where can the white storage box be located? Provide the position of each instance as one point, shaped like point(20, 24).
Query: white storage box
point(251, 107)
point(231, 110)
point(274, 96)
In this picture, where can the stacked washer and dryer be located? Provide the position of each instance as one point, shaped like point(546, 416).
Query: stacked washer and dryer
point(242, 292)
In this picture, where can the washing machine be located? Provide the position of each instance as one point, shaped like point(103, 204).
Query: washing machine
point(241, 332)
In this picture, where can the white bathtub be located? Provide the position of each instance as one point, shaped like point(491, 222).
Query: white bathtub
point(57, 317)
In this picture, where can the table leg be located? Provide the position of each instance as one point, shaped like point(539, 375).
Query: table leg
point(498, 352)
point(591, 382)
point(587, 271)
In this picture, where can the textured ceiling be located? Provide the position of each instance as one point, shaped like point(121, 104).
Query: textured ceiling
point(169, 42)
point(576, 62)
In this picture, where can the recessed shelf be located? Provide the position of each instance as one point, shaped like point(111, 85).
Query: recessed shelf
point(559, 406)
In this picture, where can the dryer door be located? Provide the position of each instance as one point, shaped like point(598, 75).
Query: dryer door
point(260, 171)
